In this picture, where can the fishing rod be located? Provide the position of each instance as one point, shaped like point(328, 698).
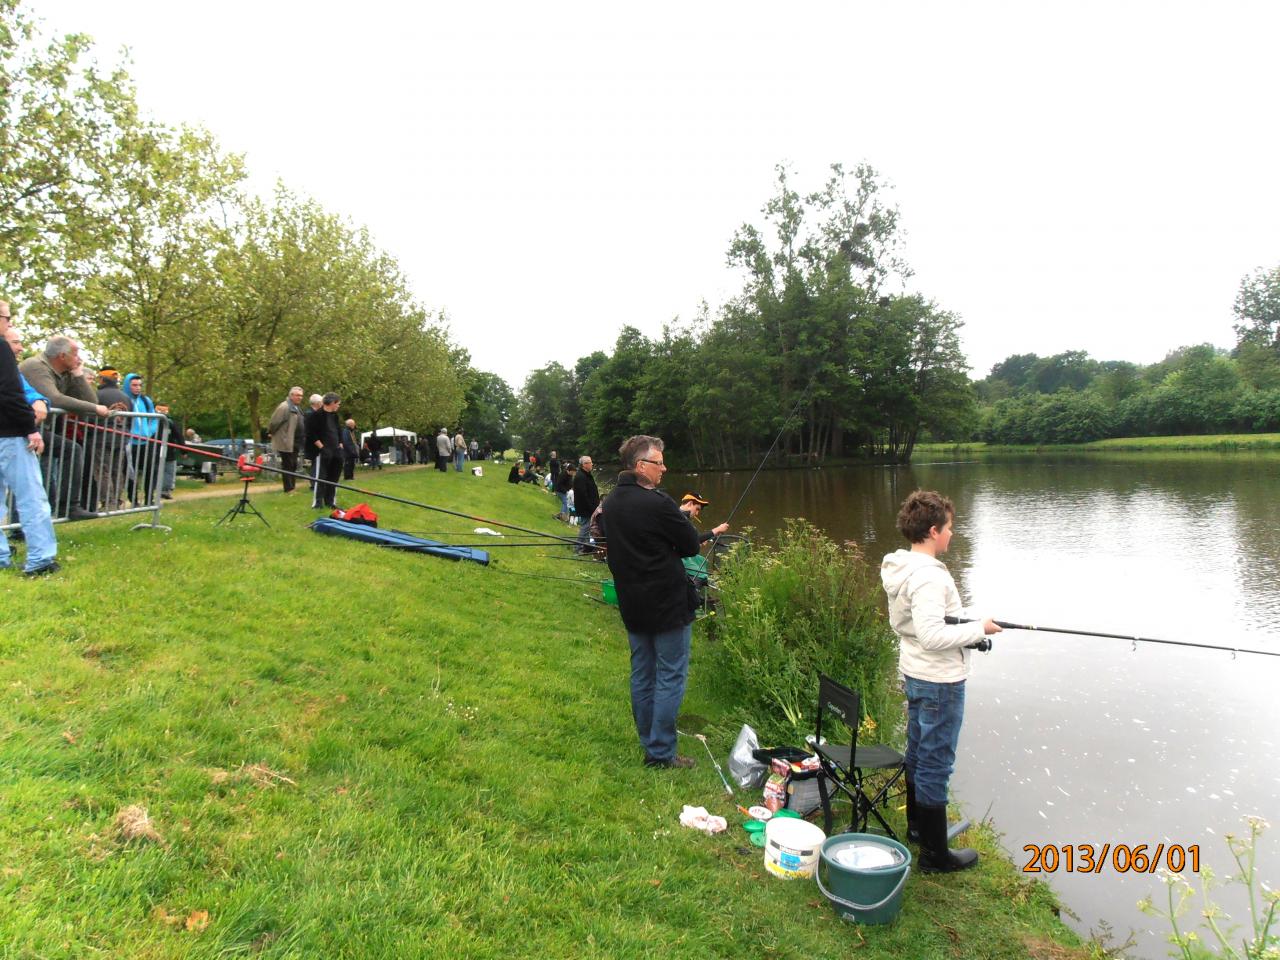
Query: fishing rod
point(715, 541)
point(1121, 636)
point(767, 454)
point(333, 483)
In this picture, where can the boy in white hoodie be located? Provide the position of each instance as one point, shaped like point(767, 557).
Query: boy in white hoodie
point(934, 661)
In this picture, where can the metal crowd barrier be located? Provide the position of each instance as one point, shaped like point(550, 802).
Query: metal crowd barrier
point(90, 472)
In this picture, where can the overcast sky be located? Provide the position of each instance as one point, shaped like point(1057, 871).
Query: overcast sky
point(1094, 176)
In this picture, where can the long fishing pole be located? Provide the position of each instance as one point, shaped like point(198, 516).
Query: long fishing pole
point(332, 483)
point(715, 541)
point(1121, 636)
point(768, 453)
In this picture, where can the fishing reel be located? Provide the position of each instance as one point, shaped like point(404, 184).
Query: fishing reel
point(984, 645)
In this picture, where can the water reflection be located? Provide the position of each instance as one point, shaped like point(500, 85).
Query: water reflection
point(1078, 740)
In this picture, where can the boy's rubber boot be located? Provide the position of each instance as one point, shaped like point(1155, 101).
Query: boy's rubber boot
point(935, 857)
point(913, 817)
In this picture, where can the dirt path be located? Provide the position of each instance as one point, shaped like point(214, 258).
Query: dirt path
point(270, 483)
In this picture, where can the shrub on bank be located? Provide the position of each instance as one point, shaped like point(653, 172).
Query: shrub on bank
point(792, 611)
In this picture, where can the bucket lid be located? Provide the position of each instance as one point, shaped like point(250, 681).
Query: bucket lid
point(794, 832)
point(754, 826)
point(863, 854)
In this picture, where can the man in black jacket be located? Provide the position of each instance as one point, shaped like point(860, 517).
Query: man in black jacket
point(324, 446)
point(648, 536)
point(586, 497)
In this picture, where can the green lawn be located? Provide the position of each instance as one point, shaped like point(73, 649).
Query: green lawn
point(349, 752)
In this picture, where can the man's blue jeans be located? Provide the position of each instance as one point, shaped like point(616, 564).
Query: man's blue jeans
point(459, 457)
point(935, 712)
point(20, 472)
point(659, 669)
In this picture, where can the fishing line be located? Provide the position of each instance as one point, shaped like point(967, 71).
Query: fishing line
point(1123, 636)
point(763, 460)
point(332, 483)
point(768, 453)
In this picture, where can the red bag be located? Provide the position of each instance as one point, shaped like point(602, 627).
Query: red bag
point(360, 513)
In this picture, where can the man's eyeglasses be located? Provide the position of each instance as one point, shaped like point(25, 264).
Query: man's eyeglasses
point(656, 463)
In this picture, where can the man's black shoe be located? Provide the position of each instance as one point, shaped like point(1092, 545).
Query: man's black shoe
point(166, 496)
point(80, 513)
point(52, 567)
point(677, 762)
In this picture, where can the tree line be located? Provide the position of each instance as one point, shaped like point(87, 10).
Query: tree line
point(811, 347)
point(142, 241)
point(1199, 389)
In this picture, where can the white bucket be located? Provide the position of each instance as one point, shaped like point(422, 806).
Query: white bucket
point(791, 847)
point(477, 471)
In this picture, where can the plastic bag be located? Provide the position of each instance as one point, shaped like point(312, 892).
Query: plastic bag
point(746, 771)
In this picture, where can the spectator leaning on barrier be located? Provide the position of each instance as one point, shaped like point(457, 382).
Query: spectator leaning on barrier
point(20, 441)
point(287, 433)
point(39, 404)
point(58, 374)
point(324, 441)
point(171, 433)
point(39, 407)
point(109, 466)
point(143, 454)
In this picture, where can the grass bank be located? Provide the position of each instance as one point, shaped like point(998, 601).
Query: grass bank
point(344, 752)
point(1221, 442)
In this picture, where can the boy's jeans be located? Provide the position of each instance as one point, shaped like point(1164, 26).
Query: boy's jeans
point(20, 471)
point(934, 714)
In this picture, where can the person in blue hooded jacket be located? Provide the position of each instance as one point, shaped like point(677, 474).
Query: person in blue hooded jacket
point(144, 456)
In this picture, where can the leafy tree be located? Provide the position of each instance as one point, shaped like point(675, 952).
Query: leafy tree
point(147, 298)
point(490, 405)
point(609, 394)
point(1073, 370)
point(916, 375)
point(541, 420)
point(1257, 309)
point(58, 116)
point(1116, 381)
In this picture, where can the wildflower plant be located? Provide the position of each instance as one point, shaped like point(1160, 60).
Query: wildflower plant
point(1215, 936)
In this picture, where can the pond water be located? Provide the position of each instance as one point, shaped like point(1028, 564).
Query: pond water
point(1076, 740)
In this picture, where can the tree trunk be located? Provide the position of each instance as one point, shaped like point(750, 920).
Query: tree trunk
point(255, 422)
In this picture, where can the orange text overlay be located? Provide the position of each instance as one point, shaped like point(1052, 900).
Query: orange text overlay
point(1117, 857)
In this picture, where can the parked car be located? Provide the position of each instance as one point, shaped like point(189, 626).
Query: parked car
point(194, 465)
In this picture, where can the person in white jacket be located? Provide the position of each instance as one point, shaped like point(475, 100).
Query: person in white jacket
point(934, 661)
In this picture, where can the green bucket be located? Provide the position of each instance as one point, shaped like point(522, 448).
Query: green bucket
point(610, 592)
point(867, 874)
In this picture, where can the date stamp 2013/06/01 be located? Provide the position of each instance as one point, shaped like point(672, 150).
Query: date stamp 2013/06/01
point(1119, 857)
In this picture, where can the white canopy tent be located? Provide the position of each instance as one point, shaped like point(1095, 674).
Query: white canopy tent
point(388, 433)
